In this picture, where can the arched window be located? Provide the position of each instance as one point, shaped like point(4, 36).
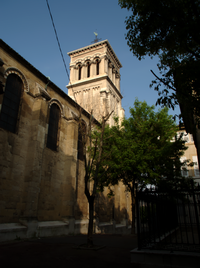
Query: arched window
point(97, 67)
point(52, 136)
point(11, 103)
point(81, 140)
point(79, 72)
point(88, 69)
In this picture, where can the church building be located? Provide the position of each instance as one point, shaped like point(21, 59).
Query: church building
point(41, 171)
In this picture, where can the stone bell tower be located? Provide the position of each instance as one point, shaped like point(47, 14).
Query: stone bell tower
point(95, 80)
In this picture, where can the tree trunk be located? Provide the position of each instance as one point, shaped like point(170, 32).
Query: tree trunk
point(133, 211)
point(90, 225)
point(196, 137)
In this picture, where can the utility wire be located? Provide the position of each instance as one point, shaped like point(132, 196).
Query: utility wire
point(60, 48)
point(57, 39)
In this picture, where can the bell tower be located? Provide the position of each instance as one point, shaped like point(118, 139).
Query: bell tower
point(95, 80)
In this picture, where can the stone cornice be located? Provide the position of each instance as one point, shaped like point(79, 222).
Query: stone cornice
point(95, 79)
point(114, 87)
point(89, 80)
point(83, 49)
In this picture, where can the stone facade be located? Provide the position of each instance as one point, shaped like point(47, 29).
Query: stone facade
point(190, 154)
point(95, 80)
point(42, 189)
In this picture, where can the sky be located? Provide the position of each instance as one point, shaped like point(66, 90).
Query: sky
point(27, 28)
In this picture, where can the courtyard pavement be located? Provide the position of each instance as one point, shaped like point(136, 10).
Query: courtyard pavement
point(62, 252)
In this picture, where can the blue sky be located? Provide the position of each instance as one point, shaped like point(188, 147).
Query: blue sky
point(27, 28)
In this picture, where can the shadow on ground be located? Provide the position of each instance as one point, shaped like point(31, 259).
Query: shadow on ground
point(62, 252)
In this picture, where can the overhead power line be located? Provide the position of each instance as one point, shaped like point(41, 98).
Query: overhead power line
point(57, 39)
point(60, 47)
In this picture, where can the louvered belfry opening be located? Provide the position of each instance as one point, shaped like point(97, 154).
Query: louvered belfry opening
point(79, 72)
point(52, 136)
point(11, 103)
point(88, 69)
point(97, 70)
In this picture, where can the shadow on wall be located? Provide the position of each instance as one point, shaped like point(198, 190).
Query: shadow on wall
point(40, 188)
point(81, 208)
point(37, 182)
point(106, 211)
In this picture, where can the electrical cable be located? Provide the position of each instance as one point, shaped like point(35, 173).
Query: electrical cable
point(61, 50)
point(57, 38)
point(59, 45)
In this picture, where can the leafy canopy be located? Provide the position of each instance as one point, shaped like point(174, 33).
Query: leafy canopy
point(169, 29)
point(142, 150)
point(163, 27)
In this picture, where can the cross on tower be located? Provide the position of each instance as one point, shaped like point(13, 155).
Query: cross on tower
point(96, 38)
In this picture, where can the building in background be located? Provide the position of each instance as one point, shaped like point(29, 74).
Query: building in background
point(190, 154)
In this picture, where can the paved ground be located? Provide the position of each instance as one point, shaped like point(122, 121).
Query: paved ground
point(61, 252)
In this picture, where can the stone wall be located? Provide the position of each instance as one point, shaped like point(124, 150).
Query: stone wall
point(36, 181)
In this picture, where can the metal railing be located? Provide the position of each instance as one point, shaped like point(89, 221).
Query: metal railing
point(168, 220)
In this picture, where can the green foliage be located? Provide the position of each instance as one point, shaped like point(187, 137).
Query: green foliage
point(142, 151)
point(169, 29)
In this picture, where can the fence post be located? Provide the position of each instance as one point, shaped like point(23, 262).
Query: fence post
point(195, 208)
point(138, 218)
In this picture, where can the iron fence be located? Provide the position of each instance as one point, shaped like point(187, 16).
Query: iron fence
point(168, 220)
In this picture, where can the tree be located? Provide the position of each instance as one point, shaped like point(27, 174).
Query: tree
point(142, 151)
point(170, 29)
point(91, 141)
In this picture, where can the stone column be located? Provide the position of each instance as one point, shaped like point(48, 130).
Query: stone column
point(93, 68)
point(117, 79)
point(71, 73)
point(113, 75)
point(101, 66)
point(75, 73)
point(110, 66)
point(105, 63)
point(117, 107)
point(84, 71)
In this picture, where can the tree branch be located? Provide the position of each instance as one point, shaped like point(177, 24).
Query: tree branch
point(162, 81)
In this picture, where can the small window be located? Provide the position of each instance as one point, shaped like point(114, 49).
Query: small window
point(97, 67)
point(196, 166)
point(81, 139)
point(79, 72)
point(52, 136)
point(88, 69)
point(184, 170)
point(186, 137)
point(11, 103)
